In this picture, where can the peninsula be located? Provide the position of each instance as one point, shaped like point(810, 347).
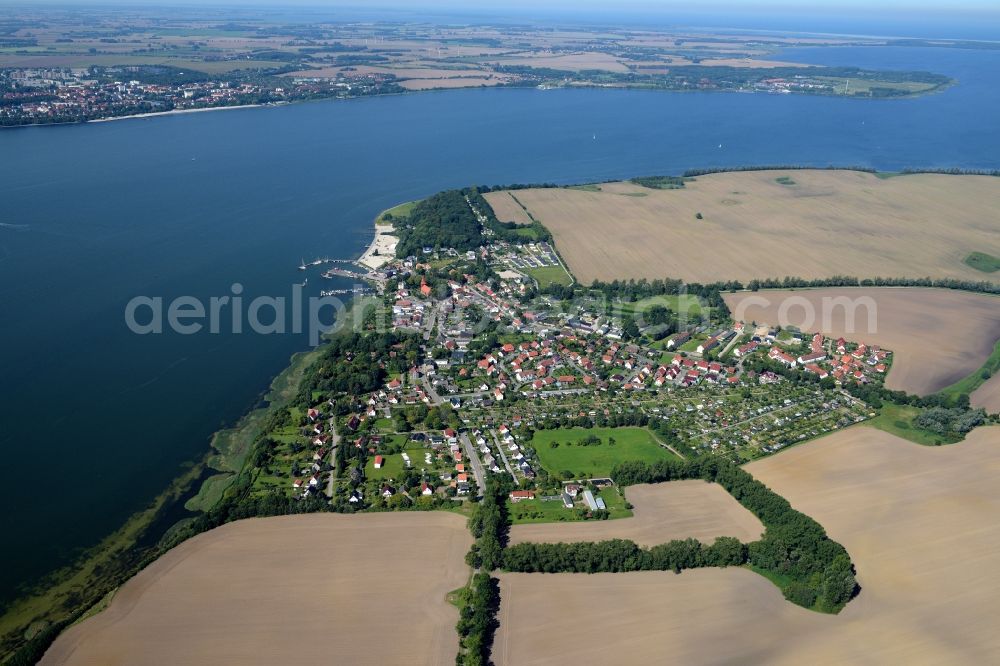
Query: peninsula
point(622, 428)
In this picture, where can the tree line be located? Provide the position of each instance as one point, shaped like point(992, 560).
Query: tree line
point(477, 623)
point(620, 555)
point(794, 547)
point(788, 282)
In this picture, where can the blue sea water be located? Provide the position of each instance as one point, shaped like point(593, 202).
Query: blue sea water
point(95, 420)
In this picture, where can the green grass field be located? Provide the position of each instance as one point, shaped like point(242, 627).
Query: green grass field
point(402, 210)
point(595, 460)
point(981, 261)
point(673, 302)
point(692, 344)
point(393, 466)
point(858, 86)
point(898, 420)
point(547, 275)
point(666, 358)
point(527, 233)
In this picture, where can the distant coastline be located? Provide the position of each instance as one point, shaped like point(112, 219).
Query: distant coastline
point(581, 84)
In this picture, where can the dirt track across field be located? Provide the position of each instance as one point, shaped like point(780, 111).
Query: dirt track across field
point(506, 208)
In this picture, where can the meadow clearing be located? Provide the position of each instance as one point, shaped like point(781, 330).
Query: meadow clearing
point(759, 224)
point(589, 460)
point(662, 512)
point(937, 336)
point(919, 523)
point(261, 591)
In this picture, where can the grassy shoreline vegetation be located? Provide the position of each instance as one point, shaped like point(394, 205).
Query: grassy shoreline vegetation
point(30, 623)
point(232, 446)
point(33, 621)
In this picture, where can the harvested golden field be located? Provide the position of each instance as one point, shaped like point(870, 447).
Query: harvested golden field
point(749, 62)
point(823, 223)
point(919, 522)
point(364, 589)
point(988, 395)
point(573, 62)
point(937, 336)
point(456, 82)
point(506, 207)
point(702, 616)
point(663, 511)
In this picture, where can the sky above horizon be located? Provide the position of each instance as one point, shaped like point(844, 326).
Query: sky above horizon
point(597, 5)
point(959, 19)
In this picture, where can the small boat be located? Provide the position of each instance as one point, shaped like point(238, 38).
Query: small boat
point(302, 265)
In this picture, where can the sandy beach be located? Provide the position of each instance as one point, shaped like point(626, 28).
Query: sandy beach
point(175, 112)
point(382, 249)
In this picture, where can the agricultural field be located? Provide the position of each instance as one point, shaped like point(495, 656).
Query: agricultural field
point(571, 618)
point(449, 82)
point(506, 207)
point(880, 496)
point(279, 584)
point(662, 512)
point(987, 396)
point(823, 223)
point(937, 336)
point(574, 455)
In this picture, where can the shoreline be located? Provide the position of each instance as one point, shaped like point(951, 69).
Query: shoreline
point(500, 86)
point(175, 112)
